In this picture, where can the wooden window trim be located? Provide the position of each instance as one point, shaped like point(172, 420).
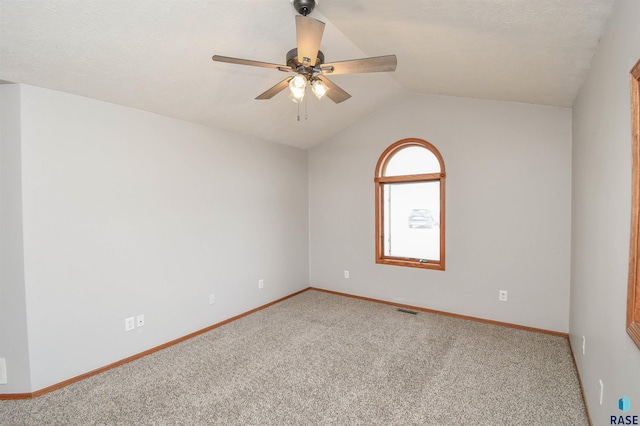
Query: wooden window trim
point(380, 179)
point(633, 293)
point(409, 178)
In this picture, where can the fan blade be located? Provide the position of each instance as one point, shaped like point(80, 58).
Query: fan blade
point(275, 89)
point(229, 60)
point(335, 93)
point(377, 64)
point(309, 34)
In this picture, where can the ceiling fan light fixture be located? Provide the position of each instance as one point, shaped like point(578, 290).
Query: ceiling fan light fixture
point(297, 97)
point(319, 88)
point(297, 87)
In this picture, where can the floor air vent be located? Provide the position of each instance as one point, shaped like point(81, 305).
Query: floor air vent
point(407, 311)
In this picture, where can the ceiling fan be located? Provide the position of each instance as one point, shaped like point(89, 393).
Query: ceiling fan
point(306, 62)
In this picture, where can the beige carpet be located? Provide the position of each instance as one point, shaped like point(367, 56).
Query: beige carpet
point(319, 358)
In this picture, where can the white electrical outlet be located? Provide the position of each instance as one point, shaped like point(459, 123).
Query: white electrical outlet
point(129, 324)
point(502, 295)
point(260, 283)
point(584, 344)
point(346, 274)
point(212, 299)
point(140, 320)
point(3, 372)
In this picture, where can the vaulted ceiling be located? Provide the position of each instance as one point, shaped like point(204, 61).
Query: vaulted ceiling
point(156, 55)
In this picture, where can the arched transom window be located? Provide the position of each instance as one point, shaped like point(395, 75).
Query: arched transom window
point(410, 214)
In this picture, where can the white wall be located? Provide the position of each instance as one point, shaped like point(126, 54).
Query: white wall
point(127, 212)
point(508, 209)
point(601, 219)
point(13, 315)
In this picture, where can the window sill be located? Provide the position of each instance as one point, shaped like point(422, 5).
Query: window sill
point(411, 263)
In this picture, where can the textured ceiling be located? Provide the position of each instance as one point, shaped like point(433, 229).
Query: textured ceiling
point(156, 55)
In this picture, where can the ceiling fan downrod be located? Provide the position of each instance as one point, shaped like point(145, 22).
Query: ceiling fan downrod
point(304, 7)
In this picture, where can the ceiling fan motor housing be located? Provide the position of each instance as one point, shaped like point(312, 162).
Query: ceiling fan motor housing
point(292, 59)
point(304, 7)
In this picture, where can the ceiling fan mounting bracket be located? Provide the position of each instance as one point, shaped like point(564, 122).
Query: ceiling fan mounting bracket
point(304, 7)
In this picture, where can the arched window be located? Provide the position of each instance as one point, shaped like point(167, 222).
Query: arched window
point(410, 214)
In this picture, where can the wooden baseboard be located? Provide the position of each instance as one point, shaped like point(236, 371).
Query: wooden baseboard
point(449, 314)
point(139, 355)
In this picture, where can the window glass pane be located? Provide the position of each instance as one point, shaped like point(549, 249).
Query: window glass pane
point(411, 220)
point(413, 160)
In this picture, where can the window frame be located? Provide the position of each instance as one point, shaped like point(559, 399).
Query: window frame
point(380, 180)
point(633, 293)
